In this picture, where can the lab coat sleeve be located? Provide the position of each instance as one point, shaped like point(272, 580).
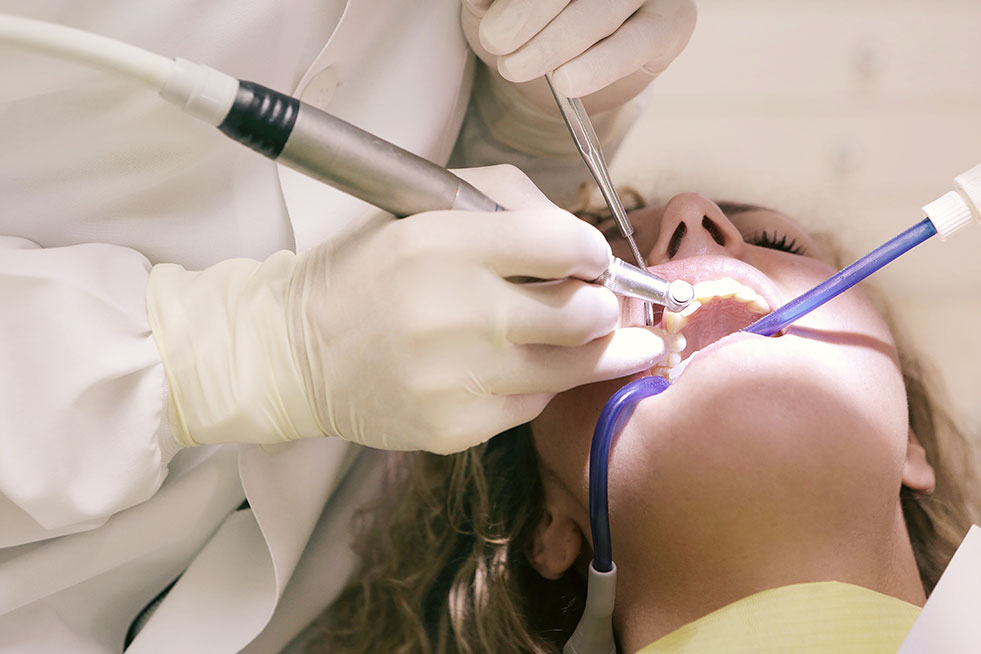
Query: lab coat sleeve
point(83, 397)
point(501, 126)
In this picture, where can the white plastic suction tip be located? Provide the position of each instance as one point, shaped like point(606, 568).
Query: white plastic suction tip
point(948, 213)
point(969, 186)
point(954, 209)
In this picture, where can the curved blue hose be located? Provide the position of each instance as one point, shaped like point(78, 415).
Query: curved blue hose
point(843, 280)
point(611, 421)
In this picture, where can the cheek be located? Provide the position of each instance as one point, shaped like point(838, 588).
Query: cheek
point(646, 223)
point(793, 274)
point(850, 313)
point(839, 371)
point(564, 431)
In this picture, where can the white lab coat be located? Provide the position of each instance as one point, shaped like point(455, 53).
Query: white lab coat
point(99, 180)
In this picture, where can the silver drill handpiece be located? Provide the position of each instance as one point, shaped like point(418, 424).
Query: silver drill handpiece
point(356, 162)
point(631, 281)
point(346, 157)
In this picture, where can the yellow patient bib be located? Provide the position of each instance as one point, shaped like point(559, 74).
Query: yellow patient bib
point(815, 618)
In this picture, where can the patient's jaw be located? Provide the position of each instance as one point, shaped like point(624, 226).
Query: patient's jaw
point(769, 461)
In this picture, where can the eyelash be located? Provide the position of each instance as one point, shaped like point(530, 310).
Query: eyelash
point(777, 243)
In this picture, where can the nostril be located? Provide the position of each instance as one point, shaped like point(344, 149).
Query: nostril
point(714, 231)
point(675, 243)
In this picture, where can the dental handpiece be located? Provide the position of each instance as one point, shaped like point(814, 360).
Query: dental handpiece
point(361, 164)
point(301, 137)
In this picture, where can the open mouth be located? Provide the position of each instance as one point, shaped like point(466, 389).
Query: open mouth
point(729, 295)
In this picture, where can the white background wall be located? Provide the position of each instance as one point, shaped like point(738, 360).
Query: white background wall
point(849, 116)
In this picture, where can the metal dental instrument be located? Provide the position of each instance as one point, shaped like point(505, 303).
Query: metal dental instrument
point(588, 144)
point(304, 138)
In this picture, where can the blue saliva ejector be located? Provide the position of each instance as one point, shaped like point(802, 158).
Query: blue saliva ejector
point(944, 216)
point(594, 633)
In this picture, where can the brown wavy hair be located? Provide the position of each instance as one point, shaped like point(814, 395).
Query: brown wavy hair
point(445, 560)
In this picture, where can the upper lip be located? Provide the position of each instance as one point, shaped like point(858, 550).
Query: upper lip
point(711, 267)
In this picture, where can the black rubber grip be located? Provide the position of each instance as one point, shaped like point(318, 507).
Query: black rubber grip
point(261, 118)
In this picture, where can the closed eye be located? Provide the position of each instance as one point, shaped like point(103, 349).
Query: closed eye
point(776, 241)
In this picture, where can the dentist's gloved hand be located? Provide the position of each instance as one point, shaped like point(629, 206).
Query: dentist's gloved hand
point(607, 49)
point(408, 336)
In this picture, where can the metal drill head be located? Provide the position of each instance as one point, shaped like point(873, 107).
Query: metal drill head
point(681, 294)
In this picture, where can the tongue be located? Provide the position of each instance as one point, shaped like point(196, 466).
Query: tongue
point(713, 321)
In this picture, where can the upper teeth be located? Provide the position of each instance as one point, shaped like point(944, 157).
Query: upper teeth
point(705, 292)
point(708, 290)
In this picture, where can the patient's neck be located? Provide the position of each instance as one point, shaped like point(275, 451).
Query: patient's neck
point(670, 577)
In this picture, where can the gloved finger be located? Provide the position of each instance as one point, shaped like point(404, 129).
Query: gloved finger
point(549, 369)
point(506, 185)
point(480, 420)
point(644, 45)
point(508, 24)
point(543, 243)
point(567, 313)
point(582, 24)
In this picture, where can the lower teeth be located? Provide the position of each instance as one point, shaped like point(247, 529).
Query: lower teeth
point(675, 372)
point(671, 373)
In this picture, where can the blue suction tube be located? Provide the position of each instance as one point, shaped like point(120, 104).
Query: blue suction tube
point(843, 280)
point(611, 421)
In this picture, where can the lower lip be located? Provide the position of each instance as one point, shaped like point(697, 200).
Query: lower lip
point(725, 341)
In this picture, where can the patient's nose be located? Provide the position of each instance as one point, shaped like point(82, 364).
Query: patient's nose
point(693, 225)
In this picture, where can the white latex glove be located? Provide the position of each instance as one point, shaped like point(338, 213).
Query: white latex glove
point(609, 50)
point(407, 336)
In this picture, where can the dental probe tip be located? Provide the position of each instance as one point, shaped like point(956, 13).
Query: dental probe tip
point(628, 234)
point(638, 257)
point(648, 314)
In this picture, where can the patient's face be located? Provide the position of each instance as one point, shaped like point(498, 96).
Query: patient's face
point(751, 421)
